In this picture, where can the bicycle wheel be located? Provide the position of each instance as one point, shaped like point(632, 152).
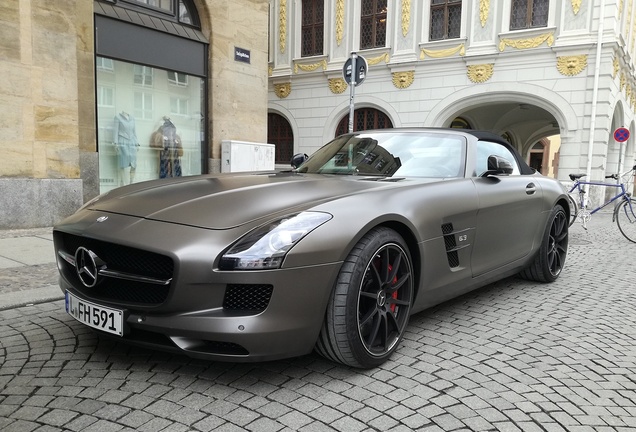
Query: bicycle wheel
point(626, 219)
point(574, 209)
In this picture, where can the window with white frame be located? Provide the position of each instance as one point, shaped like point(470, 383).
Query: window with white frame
point(105, 96)
point(178, 106)
point(143, 105)
point(142, 75)
point(104, 64)
point(373, 19)
point(178, 79)
point(526, 14)
point(446, 19)
point(313, 24)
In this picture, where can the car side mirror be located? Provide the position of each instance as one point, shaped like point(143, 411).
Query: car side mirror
point(298, 159)
point(498, 166)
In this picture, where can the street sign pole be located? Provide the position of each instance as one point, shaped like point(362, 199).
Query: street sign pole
point(620, 135)
point(352, 92)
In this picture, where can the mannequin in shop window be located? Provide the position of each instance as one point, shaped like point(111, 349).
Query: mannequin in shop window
point(126, 146)
point(166, 139)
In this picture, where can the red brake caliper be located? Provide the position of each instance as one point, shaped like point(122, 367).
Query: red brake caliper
point(395, 293)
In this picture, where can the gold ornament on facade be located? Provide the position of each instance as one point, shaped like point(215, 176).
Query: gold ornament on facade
point(534, 42)
point(375, 60)
point(442, 53)
point(310, 67)
point(339, 21)
point(480, 73)
point(484, 10)
point(282, 90)
point(406, 16)
point(403, 79)
point(576, 6)
point(623, 80)
point(282, 25)
point(571, 65)
point(337, 85)
point(615, 65)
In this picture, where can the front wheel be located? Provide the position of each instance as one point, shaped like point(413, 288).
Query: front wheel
point(370, 305)
point(550, 258)
point(625, 215)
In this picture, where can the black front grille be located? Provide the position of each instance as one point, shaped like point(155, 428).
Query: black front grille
point(247, 297)
point(123, 259)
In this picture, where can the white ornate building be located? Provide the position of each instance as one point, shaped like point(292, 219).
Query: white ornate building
point(526, 69)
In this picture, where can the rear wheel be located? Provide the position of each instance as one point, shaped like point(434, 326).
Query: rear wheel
point(370, 305)
point(550, 259)
point(574, 209)
point(626, 220)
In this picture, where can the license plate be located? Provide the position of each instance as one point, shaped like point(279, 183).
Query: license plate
point(94, 315)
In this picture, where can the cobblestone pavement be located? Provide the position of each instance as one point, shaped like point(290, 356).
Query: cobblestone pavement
point(512, 356)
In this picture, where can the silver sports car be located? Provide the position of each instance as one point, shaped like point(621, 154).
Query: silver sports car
point(333, 255)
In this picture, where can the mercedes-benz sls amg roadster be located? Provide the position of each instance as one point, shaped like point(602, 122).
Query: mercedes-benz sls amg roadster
point(332, 255)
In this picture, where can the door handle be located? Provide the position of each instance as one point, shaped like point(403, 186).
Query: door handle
point(530, 189)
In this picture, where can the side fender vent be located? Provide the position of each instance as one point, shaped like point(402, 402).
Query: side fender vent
point(451, 245)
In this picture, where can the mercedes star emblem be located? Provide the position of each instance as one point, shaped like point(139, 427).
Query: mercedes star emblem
point(87, 265)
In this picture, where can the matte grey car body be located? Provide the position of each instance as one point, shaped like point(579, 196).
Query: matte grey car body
point(333, 256)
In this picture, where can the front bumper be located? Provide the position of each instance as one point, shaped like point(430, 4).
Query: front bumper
point(194, 316)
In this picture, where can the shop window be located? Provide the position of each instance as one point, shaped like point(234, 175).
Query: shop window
point(147, 133)
point(373, 24)
point(313, 24)
point(365, 119)
point(279, 133)
point(446, 19)
point(527, 14)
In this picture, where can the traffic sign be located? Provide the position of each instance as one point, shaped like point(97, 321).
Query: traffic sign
point(621, 134)
point(362, 67)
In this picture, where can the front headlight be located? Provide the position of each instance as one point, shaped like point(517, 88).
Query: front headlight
point(265, 247)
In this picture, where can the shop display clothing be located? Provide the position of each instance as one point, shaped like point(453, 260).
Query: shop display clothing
point(169, 142)
point(125, 140)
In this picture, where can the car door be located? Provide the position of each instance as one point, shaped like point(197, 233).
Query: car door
point(508, 215)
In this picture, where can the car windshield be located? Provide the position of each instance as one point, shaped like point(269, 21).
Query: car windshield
point(403, 154)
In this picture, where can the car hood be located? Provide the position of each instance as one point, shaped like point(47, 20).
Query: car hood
point(226, 201)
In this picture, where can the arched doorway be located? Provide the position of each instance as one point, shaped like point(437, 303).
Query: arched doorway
point(279, 133)
point(365, 119)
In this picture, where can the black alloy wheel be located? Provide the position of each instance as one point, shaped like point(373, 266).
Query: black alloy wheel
point(370, 306)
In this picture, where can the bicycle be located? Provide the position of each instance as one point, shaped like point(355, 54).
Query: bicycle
point(624, 210)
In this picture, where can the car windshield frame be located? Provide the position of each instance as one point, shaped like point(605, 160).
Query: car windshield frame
point(399, 154)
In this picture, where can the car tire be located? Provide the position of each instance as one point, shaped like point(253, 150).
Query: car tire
point(550, 258)
point(369, 307)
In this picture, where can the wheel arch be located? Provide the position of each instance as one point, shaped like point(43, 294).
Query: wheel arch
point(412, 244)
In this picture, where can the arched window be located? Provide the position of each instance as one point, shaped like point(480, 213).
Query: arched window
point(460, 123)
point(365, 119)
point(279, 133)
point(539, 155)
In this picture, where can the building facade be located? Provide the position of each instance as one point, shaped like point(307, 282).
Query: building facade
point(99, 94)
point(541, 73)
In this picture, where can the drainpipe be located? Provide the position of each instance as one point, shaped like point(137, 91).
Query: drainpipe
point(599, 47)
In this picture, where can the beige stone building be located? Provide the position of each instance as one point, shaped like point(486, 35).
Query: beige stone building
point(89, 87)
